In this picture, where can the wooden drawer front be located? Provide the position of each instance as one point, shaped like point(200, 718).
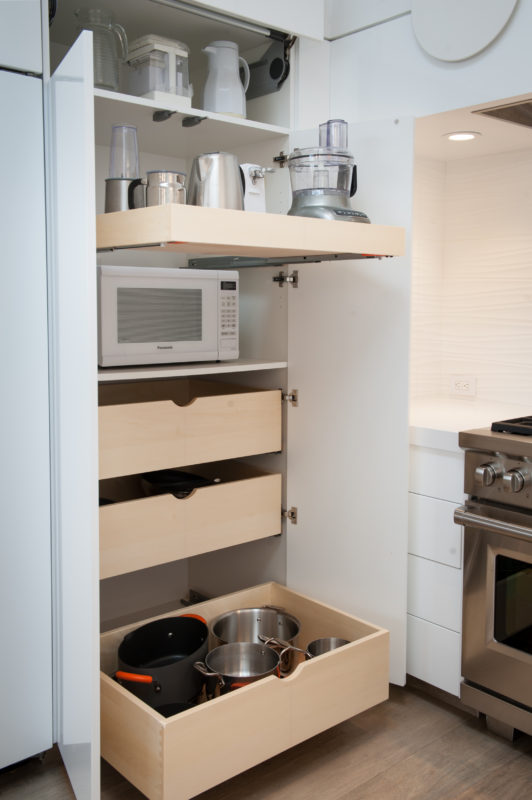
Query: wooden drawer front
point(432, 532)
point(435, 592)
point(437, 473)
point(140, 437)
point(433, 654)
point(154, 530)
point(179, 757)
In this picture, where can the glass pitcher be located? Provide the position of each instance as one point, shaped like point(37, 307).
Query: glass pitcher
point(109, 45)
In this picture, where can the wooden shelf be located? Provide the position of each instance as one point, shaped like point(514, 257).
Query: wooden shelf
point(216, 231)
point(117, 374)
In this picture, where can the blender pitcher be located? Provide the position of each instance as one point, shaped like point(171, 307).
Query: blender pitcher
point(109, 45)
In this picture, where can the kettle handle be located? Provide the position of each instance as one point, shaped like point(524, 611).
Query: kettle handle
point(245, 67)
point(122, 38)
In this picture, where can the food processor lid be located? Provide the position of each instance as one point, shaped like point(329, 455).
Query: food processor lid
point(320, 152)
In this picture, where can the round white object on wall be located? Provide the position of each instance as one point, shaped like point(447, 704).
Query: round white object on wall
point(453, 30)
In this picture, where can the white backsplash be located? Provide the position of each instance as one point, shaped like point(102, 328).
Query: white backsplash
point(472, 277)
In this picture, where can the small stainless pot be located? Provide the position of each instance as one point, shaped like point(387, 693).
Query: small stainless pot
point(239, 663)
point(250, 624)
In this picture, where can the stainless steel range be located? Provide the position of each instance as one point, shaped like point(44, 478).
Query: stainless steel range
point(497, 594)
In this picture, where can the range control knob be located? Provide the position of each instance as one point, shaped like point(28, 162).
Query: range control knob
point(513, 481)
point(485, 474)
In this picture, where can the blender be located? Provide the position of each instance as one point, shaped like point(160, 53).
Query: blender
point(324, 178)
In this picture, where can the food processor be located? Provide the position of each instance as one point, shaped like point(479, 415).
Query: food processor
point(324, 178)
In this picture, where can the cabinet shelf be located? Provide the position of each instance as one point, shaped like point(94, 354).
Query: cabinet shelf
point(216, 231)
point(117, 374)
point(170, 137)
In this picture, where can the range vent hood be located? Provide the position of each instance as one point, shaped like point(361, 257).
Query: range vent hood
point(518, 113)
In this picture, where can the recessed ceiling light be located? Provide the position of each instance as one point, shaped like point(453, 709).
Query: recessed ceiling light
point(462, 136)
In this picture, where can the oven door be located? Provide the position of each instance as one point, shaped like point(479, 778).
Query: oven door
point(497, 601)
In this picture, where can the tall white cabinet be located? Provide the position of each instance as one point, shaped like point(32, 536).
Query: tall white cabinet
point(25, 566)
point(340, 339)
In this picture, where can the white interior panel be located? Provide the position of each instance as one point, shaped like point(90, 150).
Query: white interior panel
point(348, 358)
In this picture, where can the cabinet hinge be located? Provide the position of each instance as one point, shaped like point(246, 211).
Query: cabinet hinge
point(292, 397)
point(291, 514)
point(292, 279)
point(281, 159)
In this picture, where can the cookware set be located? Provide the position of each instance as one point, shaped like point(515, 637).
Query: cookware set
point(167, 663)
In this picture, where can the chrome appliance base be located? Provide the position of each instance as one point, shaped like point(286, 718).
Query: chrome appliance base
point(502, 715)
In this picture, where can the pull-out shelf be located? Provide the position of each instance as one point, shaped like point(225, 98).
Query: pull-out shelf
point(217, 231)
point(139, 531)
point(153, 425)
point(178, 757)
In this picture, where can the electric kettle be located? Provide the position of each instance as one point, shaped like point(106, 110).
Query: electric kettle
point(223, 91)
point(216, 181)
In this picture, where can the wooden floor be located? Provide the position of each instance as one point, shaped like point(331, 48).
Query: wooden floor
point(413, 746)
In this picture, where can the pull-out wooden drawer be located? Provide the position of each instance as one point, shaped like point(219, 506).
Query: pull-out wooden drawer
point(138, 531)
point(152, 425)
point(178, 757)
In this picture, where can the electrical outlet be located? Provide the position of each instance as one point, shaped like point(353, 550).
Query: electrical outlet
point(463, 385)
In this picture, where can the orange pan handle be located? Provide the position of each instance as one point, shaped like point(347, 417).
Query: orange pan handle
point(133, 676)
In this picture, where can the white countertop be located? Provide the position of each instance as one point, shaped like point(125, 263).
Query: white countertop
point(436, 422)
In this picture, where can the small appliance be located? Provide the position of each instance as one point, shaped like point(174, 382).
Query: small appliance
point(216, 181)
point(159, 70)
point(324, 178)
point(224, 91)
point(123, 167)
point(158, 188)
point(151, 315)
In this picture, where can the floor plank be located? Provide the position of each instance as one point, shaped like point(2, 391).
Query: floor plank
point(413, 747)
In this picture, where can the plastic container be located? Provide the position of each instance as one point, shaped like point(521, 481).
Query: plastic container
point(159, 69)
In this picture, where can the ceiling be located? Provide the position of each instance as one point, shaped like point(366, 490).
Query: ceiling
point(498, 136)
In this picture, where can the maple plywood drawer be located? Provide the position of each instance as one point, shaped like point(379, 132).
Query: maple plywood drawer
point(153, 425)
point(138, 531)
point(179, 757)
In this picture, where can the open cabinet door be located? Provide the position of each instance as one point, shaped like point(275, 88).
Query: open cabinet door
point(73, 377)
point(348, 344)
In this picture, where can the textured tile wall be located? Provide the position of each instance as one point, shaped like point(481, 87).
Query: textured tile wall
point(472, 276)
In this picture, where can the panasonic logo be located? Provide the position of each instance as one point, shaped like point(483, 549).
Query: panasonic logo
point(165, 347)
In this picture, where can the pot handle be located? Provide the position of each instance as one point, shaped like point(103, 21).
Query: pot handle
point(137, 677)
point(200, 666)
point(195, 616)
point(286, 646)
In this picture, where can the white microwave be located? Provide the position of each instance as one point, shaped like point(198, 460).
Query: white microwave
point(149, 315)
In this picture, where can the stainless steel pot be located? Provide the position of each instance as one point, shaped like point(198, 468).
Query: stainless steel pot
point(216, 181)
point(238, 664)
point(250, 624)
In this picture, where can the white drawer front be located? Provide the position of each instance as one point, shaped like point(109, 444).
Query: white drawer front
point(433, 655)
point(432, 532)
point(437, 473)
point(435, 592)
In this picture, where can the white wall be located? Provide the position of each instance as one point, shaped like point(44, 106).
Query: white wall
point(472, 253)
point(383, 72)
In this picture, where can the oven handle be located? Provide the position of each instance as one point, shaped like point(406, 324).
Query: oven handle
point(462, 516)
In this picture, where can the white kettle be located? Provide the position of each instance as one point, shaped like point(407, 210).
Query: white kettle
point(223, 91)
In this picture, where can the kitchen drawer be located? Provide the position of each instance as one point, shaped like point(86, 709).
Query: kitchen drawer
point(141, 531)
point(432, 532)
point(152, 425)
point(435, 592)
point(437, 473)
point(181, 756)
point(433, 654)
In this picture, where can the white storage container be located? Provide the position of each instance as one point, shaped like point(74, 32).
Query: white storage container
point(159, 70)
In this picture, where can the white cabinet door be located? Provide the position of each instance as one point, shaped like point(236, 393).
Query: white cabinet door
point(20, 35)
point(25, 567)
point(70, 154)
point(348, 339)
point(300, 17)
